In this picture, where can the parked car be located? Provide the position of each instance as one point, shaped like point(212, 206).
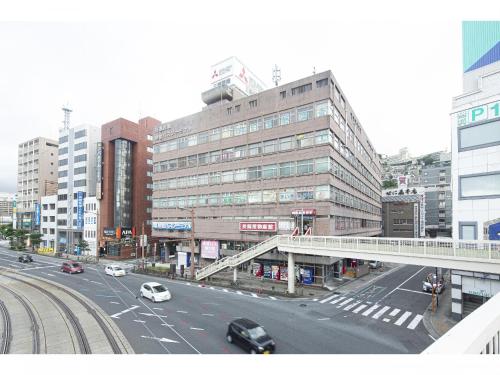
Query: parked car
point(25, 258)
point(114, 270)
point(71, 267)
point(431, 280)
point(250, 336)
point(155, 292)
point(374, 264)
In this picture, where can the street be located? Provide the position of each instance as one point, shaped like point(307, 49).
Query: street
point(195, 320)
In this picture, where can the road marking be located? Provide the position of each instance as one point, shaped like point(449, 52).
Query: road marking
point(402, 319)
point(124, 311)
point(212, 288)
point(328, 299)
point(315, 300)
point(337, 300)
point(37, 268)
point(161, 339)
point(157, 308)
point(96, 282)
point(352, 305)
point(323, 318)
point(254, 295)
point(273, 298)
point(387, 320)
point(414, 291)
point(51, 275)
point(17, 266)
point(182, 311)
point(105, 296)
point(370, 310)
point(156, 315)
point(394, 312)
point(414, 323)
point(238, 292)
point(345, 302)
point(196, 329)
point(114, 302)
point(225, 290)
point(85, 279)
point(90, 268)
point(431, 337)
point(359, 309)
point(381, 312)
point(139, 321)
point(207, 314)
point(188, 283)
point(404, 282)
point(168, 325)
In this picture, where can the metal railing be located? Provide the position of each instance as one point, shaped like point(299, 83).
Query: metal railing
point(478, 333)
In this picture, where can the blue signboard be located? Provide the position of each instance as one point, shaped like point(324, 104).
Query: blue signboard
point(494, 232)
point(308, 275)
point(37, 213)
point(172, 225)
point(79, 210)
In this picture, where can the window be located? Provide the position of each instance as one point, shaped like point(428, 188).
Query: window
point(191, 160)
point(342, 102)
point(322, 165)
point(479, 136)
point(62, 173)
point(305, 140)
point(227, 131)
point(337, 94)
point(322, 136)
point(227, 198)
point(149, 149)
point(305, 113)
point(62, 151)
point(229, 110)
point(282, 94)
point(322, 192)
point(203, 158)
point(52, 231)
point(149, 137)
point(80, 170)
point(322, 82)
point(305, 194)
point(63, 139)
point(203, 138)
point(322, 109)
point(183, 143)
point(252, 103)
point(254, 173)
point(240, 175)
point(78, 183)
point(62, 185)
point(215, 156)
point(270, 146)
point(254, 149)
point(227, 176)
point(237, 108)
point(254, 197)
point(286, 143)
point(336, 115)
point(203, 179)
point(240, 152)
point(287, 169)
point(305, 167)
point(63, 162)
point(285, 118)
point(301, 89)
point(254, 125)
point(240, 128)
point(80, 146)
point(479, 186)
point(62, 197)
point(79, 158)
point(182, 162)
point(227, 154)
point(215, 134)
point(270, 171)
point(213, 199)
point(467, 230)
point(52, 206)
point(192, 140)
point(240, 198)
point(269, 196)
point(214, 178)
point(80, 133)
point(287, 195)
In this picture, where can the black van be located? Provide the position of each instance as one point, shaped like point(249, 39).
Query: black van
point(250, 336)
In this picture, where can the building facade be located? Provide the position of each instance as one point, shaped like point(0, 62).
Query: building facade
point(36, 177)
point(76, 181)
point(90, 225)
point(475, 129)
point(48, 223)
point(6, 207)
point(292, 158)
point(126, 184)
point(402, 216)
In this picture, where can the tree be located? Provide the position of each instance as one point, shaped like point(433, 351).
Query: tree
point(83, 245)
point(414, 191)
point(19, 239)
point(35, 239)
point(4, 229)
point(389, 184)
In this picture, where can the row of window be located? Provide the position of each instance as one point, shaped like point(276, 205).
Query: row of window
point(64, 197)
point(46, 219)
point(89, 233)
point(52, 206)
point(403, 221)
point(76, 183)
point(322, 192)
point(90, 220)
point(78, 134)
point(350, 223)
point(477, 136)
point(51, 231)
point(76, 171)
point(77, 159)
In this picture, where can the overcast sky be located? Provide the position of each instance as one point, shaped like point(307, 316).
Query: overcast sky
point(399, 64)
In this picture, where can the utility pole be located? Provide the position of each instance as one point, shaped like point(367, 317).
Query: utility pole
point(192, 244)
point(142, 244)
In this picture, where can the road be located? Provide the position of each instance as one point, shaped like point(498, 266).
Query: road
point(195, 320)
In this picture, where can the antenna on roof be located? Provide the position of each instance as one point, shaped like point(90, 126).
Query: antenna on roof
point(276, 75)
point(67, 113)
point(314, 70)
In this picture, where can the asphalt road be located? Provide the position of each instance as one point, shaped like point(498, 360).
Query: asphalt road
point(195, 320)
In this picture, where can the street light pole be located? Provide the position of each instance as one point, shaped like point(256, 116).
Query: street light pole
point(192, 244)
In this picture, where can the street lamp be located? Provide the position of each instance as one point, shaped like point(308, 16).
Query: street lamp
point(191, 268)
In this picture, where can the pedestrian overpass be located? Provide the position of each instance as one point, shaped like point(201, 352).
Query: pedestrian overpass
point(479, 256)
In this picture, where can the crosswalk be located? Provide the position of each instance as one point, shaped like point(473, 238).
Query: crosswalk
point(380, 312)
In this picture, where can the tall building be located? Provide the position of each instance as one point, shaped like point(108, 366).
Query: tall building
point(76, 181)
point(475, 123)
point(291, 158)
point(36, 177)
point(6, 207)
point(48, 222)
point(125, 182)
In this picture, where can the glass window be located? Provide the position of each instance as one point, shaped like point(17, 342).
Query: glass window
point(227, 198)
point(213, 199)
point(203, 138)
point(191, 201)
point(342, 123)
point(227, 154)
point(468, 231)
point(287, 195)
point(254, 197)
point(305, 194)
point(268, 122)
point(215, 134)
point(337, 94)
point(202, 200)
point(336, 143)
point(240, 129)
point(285, 118)
point(192, 140)
point(286, 143)
point(182, 162)
point(482, 186)
point(322, 164)
point(270, 171)
point(240, 175)
point(227, 176)
point(322, 192)
point(203, 179)
point(254, 149)
point(192, 181)
point(478, 136)
point(183, 143)
point(227, 131)
point(323, 136)
point(305, 113)
point(254, 173)
point(270, 146)
point(269, 196)
point(304, 140)
point(203, 158)
point(305, 167)
point(172, 183)
point(215, 156)
point(240, 198)
point(182, 182)
point(322, 109)
point(191, 160)
point(287, 169)
point(254, 125)
point(336, 115)
point(240, 152)
point(214, 178)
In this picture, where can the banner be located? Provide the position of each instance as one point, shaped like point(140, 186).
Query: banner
point(37, 214)
point(79, 210)
point(209, 249)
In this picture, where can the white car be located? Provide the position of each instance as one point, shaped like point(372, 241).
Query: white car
point(155, 292)
point(114, 270)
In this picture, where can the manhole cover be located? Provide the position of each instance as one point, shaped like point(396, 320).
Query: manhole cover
point(302, 305)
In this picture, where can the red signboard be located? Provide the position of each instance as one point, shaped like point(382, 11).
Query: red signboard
point(258, 226)
point(304, 211)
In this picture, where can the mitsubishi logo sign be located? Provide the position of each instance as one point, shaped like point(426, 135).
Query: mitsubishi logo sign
point(215, 74)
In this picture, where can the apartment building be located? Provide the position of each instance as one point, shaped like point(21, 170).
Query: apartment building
point(36, 177)
point(293, 158)
point(76, 181)
point(48, 222)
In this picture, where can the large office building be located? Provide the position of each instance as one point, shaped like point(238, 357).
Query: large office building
point(125, 183)
point(293, 158)
point(475, 122)
point(76, 181)
point(36, 177)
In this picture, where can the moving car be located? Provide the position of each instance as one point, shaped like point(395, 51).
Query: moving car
point(114, 270)
point(431, 280)
point(156, 292)
point(25, 258)
point(71, 267)
point(374, 264)
point(250, 336)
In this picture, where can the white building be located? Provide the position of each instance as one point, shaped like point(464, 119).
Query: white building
point(48, 223)
point(6, 207)
point(76, 180)
point(475, 122)
point(91, 217)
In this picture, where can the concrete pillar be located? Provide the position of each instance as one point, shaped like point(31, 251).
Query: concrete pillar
point(291, 273)
point(235, 274)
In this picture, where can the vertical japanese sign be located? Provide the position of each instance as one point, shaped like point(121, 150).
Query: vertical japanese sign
point(99, 160)
point(37, 214)
point(79, 210)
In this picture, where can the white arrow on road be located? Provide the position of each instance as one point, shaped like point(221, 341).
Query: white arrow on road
point(161, 339)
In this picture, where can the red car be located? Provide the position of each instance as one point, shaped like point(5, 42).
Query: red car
point(71, 267)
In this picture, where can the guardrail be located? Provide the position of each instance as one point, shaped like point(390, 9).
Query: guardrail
point(477, 333)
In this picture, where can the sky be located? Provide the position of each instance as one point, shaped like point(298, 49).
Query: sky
point(399, 63)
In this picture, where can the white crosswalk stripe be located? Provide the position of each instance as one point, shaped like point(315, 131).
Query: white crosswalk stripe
point(357, 310)
point(394, 312)
point(337, 300)
point(403, 317)
point(345, 302)
point(370, 310)
point(352, 305)
point(415, 322)
point(328, 299)
point(381, 312)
